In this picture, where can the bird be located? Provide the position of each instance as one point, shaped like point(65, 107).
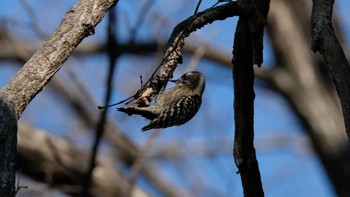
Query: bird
point(174, 106)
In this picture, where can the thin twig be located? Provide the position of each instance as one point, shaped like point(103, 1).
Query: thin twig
point(142, 16)
point(197, 7)
point(111, 45)
point(18, 187)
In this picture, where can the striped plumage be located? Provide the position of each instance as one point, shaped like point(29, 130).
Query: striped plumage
point(174, 106)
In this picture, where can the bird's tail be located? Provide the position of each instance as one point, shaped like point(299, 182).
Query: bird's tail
point(143, 111)
point(146, 128)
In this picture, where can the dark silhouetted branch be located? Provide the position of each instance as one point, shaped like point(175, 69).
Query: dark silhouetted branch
point(173, 53)
point(247, 47)
point(100, 128)
point(325, 41)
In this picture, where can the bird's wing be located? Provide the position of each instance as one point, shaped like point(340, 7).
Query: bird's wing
point(146, 112)
point(177, 114)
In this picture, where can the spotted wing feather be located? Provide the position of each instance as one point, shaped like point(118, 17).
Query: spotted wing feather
point(177, 114)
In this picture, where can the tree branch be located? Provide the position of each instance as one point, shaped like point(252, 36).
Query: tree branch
point(8, 143)
point(298, 77)
point(247, 51)
point(78, 23)
point(100, 128)
point(325, 41)
point(173, 53)
point(63, 165)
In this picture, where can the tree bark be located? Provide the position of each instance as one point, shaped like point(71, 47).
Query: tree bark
point(8, 143)
point(243, 74)
point(78, 23)
point(325, 41)
point(248, 45)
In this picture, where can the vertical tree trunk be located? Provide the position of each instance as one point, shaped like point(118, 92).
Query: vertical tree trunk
point(326, 42)
point(243, 74)
point(248, 46)
point(8, 144)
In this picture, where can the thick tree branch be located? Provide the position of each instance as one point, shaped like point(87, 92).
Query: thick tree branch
point(79, 22)
point(61, 164)
point(8, 143)
point(247, 51)
point(325, 41)
point(243, 74)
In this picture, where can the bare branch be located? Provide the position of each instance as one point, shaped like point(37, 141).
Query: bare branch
point(173, 54)
point(100, 127)
point(78, 23)
point(60, 163)
point(325, 41)
point(247, 51)
point(297, 76)
point(8, 143)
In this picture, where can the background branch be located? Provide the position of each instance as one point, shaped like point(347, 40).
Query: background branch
point(63, 165)
point(112, 44)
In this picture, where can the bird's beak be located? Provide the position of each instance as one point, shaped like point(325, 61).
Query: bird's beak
point(174, 81)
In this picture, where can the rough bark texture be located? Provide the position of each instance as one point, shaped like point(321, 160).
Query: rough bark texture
point(325, 41)
point(8, 143)
point(79, 22)
point(247, 51)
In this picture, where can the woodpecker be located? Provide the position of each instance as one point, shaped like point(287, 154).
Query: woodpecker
point(174, 106)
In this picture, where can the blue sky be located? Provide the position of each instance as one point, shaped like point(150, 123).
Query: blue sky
point(289, 169)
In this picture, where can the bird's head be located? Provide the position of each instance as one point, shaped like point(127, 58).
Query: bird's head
point(194, 80)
